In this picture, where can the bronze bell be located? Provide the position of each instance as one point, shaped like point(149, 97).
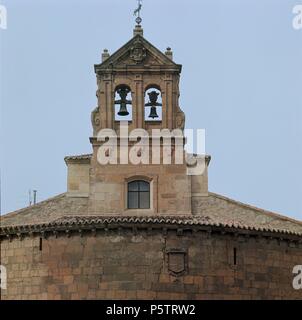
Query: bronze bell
point(123, 92)
point(153, 96)
point(123, 110)
point(153, 113)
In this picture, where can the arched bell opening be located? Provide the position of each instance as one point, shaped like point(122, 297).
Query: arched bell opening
point(153, 104)
point(123, 103)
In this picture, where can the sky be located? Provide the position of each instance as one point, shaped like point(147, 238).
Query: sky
point(241, 82)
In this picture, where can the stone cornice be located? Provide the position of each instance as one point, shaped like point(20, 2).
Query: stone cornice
point(86, 158)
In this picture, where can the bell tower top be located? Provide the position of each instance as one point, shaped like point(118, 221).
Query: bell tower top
point(139, 84)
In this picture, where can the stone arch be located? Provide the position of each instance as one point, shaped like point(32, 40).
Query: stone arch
point(151, 86)
point(138, 177)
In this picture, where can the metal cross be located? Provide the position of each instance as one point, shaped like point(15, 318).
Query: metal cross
point(137, 12)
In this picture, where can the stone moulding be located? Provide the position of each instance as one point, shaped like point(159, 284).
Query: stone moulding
point(85, 158)
point(68, 226)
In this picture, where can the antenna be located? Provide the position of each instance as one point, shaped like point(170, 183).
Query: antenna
point(29, 198)
point(35, 196)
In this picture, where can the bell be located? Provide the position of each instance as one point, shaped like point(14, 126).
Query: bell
point(153, 113)
point(123, 110)
point(123, 92)
point(153, 96)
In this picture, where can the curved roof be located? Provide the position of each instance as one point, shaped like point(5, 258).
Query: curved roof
point(213, 211)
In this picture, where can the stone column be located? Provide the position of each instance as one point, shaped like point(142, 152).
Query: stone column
point(109, 103)
point(139, 102)
point(105, 101)
point(168, 102)
point(175, 99)
point(102, 100)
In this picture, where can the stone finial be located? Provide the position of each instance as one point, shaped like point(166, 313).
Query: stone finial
point(105, 55)
point(138, 30)
point(169, 53)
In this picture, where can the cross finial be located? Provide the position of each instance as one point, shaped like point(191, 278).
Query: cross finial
point(137, 12)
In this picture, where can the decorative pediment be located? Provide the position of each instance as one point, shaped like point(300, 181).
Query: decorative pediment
point(137, 57)
point(137, 52)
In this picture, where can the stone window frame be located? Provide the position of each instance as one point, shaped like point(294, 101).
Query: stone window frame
point(139, 192)
point(153, 181)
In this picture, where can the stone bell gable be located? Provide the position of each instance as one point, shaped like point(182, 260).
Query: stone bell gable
point(139, 66)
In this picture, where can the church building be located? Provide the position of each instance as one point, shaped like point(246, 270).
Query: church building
point(137, 220)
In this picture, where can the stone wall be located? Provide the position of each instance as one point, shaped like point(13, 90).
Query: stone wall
point(78, 181)
point(170, 189)
point(149, 265)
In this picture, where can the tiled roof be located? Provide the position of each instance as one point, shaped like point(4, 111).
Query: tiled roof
point(85, 222)
point(215, 211)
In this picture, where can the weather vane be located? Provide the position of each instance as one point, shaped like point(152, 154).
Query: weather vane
point(137, 12)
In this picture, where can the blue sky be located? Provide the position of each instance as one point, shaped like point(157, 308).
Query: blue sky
point(241, 81)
